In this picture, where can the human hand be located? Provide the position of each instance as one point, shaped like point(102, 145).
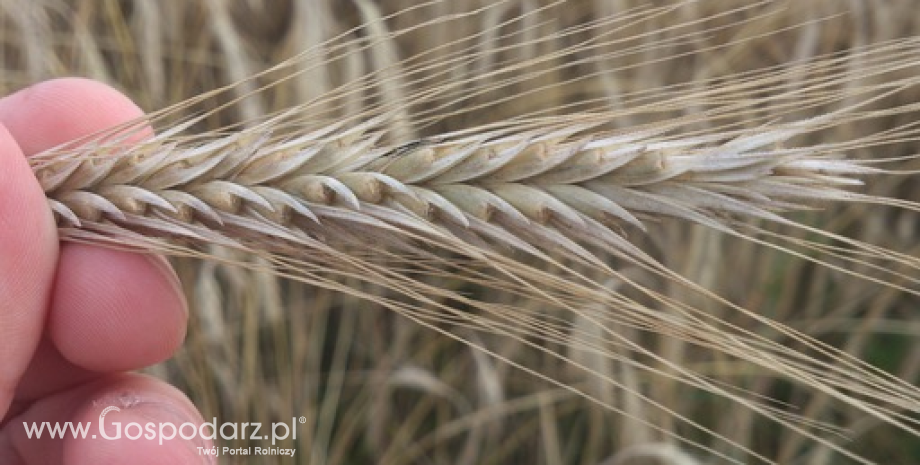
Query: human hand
point(74, 318)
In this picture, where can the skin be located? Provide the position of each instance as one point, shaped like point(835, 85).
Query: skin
point(75, 319)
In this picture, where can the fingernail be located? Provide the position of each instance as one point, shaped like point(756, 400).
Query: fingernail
point(147, 409)
point(169, 273)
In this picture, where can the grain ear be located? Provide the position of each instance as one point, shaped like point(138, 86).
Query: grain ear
point(249, 177)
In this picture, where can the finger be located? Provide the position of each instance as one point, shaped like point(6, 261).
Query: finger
point(28, 252)
point(115, 311)
point(53, 112)
point(139, 399)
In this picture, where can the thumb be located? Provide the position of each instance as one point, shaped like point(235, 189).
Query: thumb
point(28, 253)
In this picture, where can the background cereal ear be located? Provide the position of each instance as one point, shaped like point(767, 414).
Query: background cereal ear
point(605, 231)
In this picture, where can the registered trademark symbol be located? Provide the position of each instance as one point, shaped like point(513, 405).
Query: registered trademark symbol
point(302, 419)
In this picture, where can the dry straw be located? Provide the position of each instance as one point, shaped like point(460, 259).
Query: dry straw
point(399, 187)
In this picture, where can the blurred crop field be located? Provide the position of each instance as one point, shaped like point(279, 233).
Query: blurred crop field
point(374, 386)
